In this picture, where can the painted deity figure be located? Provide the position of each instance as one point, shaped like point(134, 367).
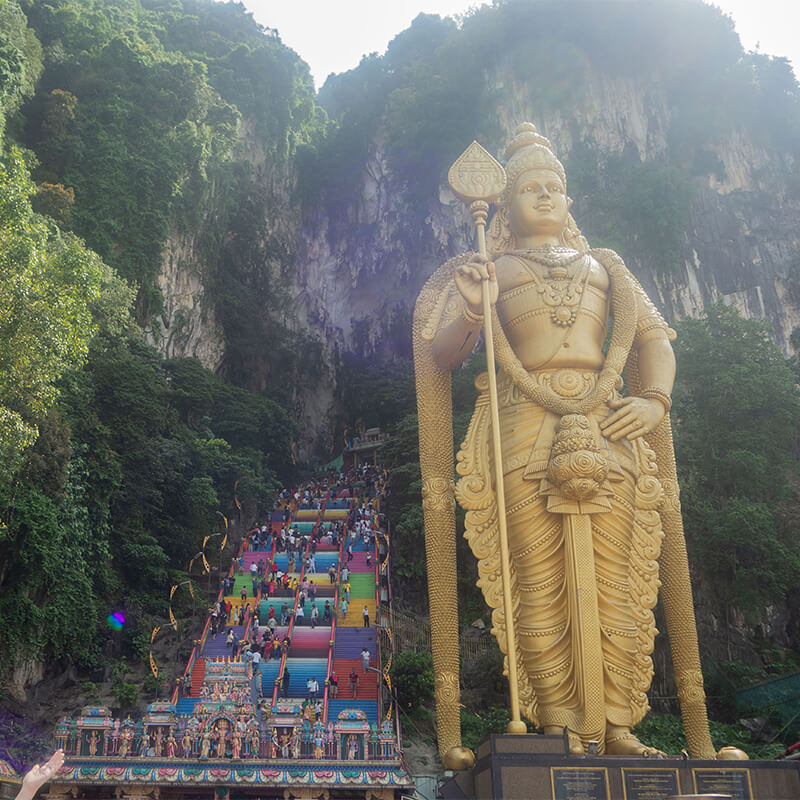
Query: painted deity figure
point(588, 470)
point(186, 743)
point(319, 741)
point(236, 744)
point(220, 739)
point(205, 744)
point(255, 743)
point(273, 742)
point(124, 742)
point(172, 745)
point(93, 743)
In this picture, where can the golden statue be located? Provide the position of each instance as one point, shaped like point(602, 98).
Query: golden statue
point(588, 473)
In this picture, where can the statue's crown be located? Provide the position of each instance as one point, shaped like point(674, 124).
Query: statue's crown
point(529, 150)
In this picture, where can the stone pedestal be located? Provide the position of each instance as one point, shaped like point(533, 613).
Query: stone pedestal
point(540, 768)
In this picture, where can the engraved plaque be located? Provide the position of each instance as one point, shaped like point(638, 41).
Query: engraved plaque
point(649, 784)
point(735, 782)
point(579, 783)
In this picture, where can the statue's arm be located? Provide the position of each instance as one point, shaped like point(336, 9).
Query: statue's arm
point(453, 343)
point(456, 340)
point(636, 416)
point(656, 361)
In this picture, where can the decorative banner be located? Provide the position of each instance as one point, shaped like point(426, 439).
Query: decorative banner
point(172, 620)
point(153, 667)
point(172, 590)
point(153, 634)
point(206, 568)
point(391, 705)
point(224, 542)
point(235, 498)
point(387, 667)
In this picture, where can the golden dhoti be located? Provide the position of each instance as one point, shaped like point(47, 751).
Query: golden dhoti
point(584, 576)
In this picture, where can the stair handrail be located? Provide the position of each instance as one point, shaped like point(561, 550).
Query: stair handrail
point(290, 630)
point(334, 618)
point(377, 571)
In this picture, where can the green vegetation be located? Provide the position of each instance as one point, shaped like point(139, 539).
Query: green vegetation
point(115, 463)
point(738, 412)
point(665, 733)
point(137, 112)
point(412, 679)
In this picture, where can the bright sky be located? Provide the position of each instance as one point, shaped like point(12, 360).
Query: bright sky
point(332, 35)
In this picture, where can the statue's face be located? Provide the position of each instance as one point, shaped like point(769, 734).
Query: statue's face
point(539, 203)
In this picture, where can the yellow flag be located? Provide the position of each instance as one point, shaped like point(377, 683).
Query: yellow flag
point(153, 667)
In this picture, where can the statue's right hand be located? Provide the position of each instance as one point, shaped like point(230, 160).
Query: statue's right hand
point(469, 279)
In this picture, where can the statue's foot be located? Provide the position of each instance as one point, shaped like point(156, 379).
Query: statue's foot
point(575, 744)
point(622, 742)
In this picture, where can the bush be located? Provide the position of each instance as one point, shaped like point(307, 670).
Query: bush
point(124, 693)
point(475, 727)
point(412, 678)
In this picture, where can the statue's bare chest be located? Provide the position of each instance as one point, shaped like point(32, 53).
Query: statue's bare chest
point(526, 285)
point(565, 300)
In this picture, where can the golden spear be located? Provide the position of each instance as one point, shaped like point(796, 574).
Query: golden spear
point(477, 179)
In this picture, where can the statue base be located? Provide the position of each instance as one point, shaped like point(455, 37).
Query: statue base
point(541, 768)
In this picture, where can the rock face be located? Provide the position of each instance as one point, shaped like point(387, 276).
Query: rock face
point(187, 325)
point(354, 266)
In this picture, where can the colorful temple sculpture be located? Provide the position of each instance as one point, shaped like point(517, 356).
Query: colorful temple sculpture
point(284, 696)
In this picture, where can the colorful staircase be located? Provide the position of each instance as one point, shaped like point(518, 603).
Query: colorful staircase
point(351, 638)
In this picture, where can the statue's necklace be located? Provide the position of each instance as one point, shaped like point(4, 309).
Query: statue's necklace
point(560, 292)
point(552, 256)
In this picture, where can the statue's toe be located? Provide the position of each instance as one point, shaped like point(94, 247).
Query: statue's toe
point(626, 744)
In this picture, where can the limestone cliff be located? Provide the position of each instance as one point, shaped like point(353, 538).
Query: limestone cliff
point(701, 204)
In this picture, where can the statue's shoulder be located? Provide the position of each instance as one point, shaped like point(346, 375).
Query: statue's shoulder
point(439, 302)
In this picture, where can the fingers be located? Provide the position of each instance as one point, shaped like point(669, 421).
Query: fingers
point(477, 271)
point(617, 421)
point(631, 431)
point(620, 424)
point(471, 272)
point(619, 403)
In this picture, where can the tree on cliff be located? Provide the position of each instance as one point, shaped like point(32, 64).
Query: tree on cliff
point(737, 412)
